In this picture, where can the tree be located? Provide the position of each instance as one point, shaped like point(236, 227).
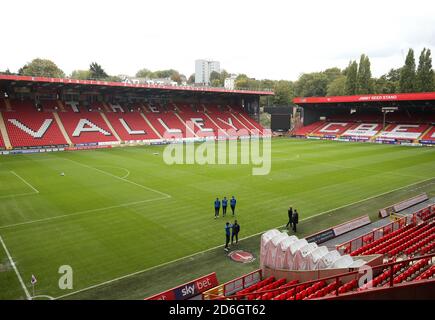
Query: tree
point(425, 73)
point(96, 72)
point(176, 76)
point(312, 85)
point(6, 72)
point(80, 75)
point(113, 79)
point(388, 83)
point(332, 74)
point(223, 75)
point(407, 74)
point(337, 87)
point(215, 79)
point(145, 73)
point(351, 85)
point(214, 75)
point(364, 76)
point(191, 79)
point(41, 68)
point(216, 83)
point(284, 92)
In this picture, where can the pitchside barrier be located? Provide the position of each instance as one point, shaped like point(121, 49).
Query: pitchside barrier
point(233, 286)
point(188, 291)
point(338, 230)
point(424, 214)
point(385, 212)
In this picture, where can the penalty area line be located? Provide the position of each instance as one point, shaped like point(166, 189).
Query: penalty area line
point(20, 279)
point(22, 179)
point(120, 178)
point(245, 238)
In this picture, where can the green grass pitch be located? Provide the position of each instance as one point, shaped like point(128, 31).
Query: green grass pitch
point(120, 211)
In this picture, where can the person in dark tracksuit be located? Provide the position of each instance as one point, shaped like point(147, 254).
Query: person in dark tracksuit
point(224, 206)
point(228, 227)
point(235, 233)
point(233, 204)
point(295, 219)
point(217, 206)
point(290, 218)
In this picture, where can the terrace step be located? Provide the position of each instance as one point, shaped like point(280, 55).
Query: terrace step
point(151, 125)
point(62, 128)
point(4, 133)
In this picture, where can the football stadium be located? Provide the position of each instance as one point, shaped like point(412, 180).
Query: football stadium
point(85, 186)
point(218, 188)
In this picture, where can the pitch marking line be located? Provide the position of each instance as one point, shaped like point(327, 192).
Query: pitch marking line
point(35, 191)
point(17, 195)
point(124, 176)
point(22, 179)
point(81, 212)
point(120, 178)
point(43, 296)
point(220, 246)
point(16, 270)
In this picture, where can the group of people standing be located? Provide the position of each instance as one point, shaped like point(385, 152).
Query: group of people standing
point(293, 218)
point(217, 206)
point(231, 230)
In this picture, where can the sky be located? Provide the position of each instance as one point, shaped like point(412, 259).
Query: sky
point(270, 39)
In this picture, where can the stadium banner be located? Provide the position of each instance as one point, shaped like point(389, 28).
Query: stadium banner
point(351, 225)
point(109, 143)
point(77, 147)
point(367, 97)
point(188, 290)
point(428, 142)
point(321, 236)
point(338, 230)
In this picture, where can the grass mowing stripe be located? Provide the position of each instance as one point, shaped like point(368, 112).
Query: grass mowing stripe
point(250, 236)
point(122, 179)
point(15, 269)
point(81, 212)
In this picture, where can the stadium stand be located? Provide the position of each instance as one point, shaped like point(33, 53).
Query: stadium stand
point(385, 275)
point(404, 131)
point(404, 241)
point(93, 113)
point(202, 125)
point(169, 123)
point(2, 144)
point(28, 127)
point(332, 129)
point(429, 135)
point(303, 131)
point(85, 126)
point(131, 126)
point(227, 120)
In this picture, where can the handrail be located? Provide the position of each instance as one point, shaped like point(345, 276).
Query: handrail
point(336, 277)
